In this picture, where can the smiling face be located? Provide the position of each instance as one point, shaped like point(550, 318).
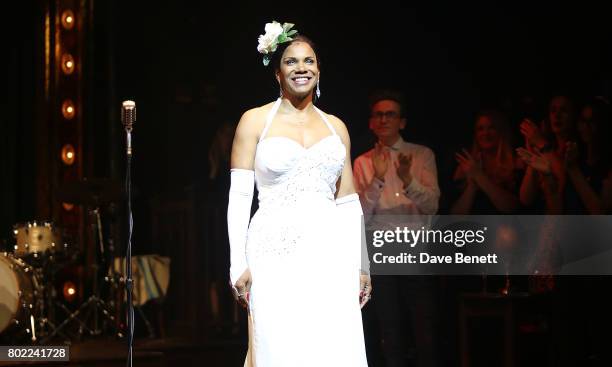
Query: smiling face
point(386, 120)
point(560, 115)
point(487, 136)
point(299, 71)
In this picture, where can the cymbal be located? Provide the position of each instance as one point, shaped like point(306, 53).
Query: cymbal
point(91, 192)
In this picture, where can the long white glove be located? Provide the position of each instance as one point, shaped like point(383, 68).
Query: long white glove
point(352, 218)
point(238, 216)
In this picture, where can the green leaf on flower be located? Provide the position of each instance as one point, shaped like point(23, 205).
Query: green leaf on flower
point(291, 33)
point(287, 27)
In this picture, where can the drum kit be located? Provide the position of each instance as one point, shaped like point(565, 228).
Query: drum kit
point(32, 309)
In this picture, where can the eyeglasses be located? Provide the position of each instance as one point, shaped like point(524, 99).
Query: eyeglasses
point(390, 115)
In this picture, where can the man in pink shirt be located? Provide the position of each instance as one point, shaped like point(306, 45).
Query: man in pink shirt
point(396, 179)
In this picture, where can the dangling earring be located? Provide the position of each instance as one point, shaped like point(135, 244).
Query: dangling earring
point(318, 90)
point(280, 87)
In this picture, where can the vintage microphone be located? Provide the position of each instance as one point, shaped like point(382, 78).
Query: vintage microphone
point(128, 117)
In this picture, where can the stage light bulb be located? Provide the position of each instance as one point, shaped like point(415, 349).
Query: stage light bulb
point(67, 206)
point(68, 19)
point(68, 64)
point(68, 109)
point(68, 154)
point(69, 291)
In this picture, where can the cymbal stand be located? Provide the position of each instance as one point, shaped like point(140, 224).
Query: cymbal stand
point(94, 304)
point(35, 326)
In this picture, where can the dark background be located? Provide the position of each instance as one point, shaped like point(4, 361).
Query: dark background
point(191, 66)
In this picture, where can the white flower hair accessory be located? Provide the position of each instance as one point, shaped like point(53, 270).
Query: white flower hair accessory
point(275, 35)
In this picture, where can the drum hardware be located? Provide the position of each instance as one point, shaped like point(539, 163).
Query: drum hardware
point(46, 276)
point(28, 318)
point(27, 293)
point(21, 304)
point(94, 306)
point(36, 240)
point(29, 266)
point(118, 281)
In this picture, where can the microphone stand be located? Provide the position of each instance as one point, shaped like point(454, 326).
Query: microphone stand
point(128, 114)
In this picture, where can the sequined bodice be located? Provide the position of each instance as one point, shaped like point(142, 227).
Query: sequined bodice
point(288, 174)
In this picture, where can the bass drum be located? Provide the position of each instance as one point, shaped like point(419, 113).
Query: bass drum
point(17, 301)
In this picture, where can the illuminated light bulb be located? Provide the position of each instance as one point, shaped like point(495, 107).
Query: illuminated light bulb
point(68, 64)
point(68, 19)
point(68, 155)
point(68, 109)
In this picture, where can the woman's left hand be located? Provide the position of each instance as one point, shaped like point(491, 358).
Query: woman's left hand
point(365, 289)
point(471, 166)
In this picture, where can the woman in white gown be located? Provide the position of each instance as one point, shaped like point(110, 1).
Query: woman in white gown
point(296, 266)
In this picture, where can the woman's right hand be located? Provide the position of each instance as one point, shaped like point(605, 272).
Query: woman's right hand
point(532, 133)
point(535, 160)
point(242, 288)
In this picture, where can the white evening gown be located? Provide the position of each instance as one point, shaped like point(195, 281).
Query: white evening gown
point(304, 301)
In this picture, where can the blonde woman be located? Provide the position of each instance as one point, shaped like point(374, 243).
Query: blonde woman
point(487, 173)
